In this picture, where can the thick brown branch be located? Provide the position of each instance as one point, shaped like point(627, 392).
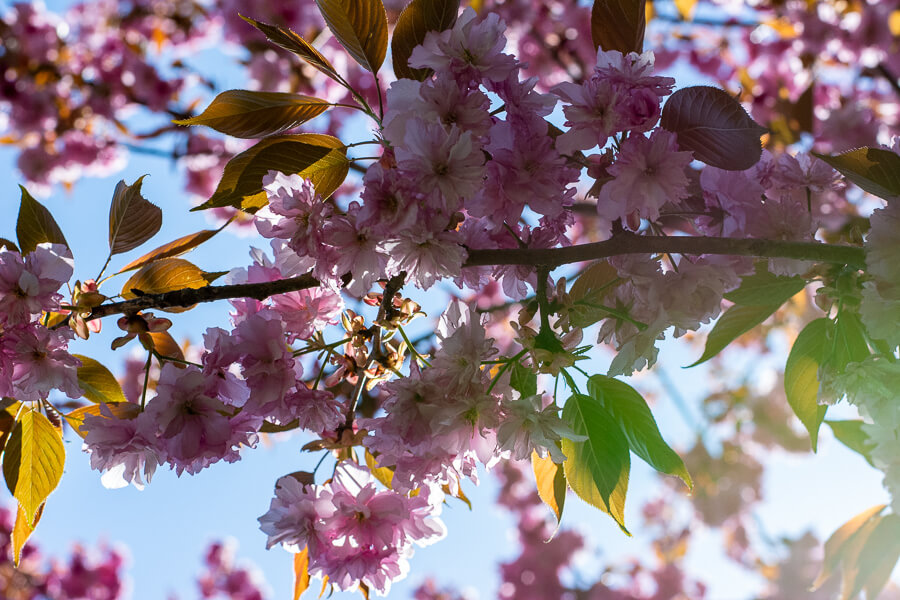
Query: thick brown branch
point(622, 243)
point(629, 243)
point(210, 293)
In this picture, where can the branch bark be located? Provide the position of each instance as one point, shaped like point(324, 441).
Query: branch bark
point(621, 243)
point(629, 243)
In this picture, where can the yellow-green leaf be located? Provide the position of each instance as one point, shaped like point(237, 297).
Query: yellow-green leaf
point(631, 412)
point(383, 474)
point(619, 25)
point(801, 376)
point(22, 530)
point(734, 322)
point(166, 275)
point(838, 544)
point(97, 382)
point(320, 158)
point(301, 572)
point(132, 218)
point(292, 42)
point(417, 19)
point(361, 28)
point(551, 483)
point(36, 225)
point(173, 248)
point(876, 170)
point(33, 461)
point(870, 568)
point(597, 468)
point(249, 114)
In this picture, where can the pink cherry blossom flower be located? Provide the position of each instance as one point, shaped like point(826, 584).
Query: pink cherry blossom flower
point(426, 257)
point(125, 449)
point(528, 426)
point(471, 50)
point(648, 172)
point(192, 426)
point(29, 285)
point(294, 212)
point(40, 362)
point(437, 158)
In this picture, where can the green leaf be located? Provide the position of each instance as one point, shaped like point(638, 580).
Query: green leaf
point(33, 461)
point(636, 421)
point(848, 341)
point(97, 382)
point(619, 25)
point(597, 468)
point(851, 434)
point(249, 114)
point(839, 545)
point(875, 170)
point(551, 483)
point(523, 380)
point(132, 219)
point(588, 292)
point(417, 19)
point(36, 225)
point(320, 158)
point(714, 126)
point(290, 41)
point(166, 275)
point(22, 530)
point(174, 248)
point(801, 376)
point(765, 288)
point(734, 322)
point(879, 554)
point(361, 28)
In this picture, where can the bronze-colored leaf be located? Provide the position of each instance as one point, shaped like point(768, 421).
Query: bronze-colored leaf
point(321, 158)
point(361, 28)
point(36, 225)
point(132, 218)
point(290, 41)
point(5, 243)
point(173, 248)
point(551, 483)
point(166, 345)
point(249, 114)
point(714, 126)
point(619, 25)
point(33, 461)
point(166, 275)
point(10, 408)
point(417, 19)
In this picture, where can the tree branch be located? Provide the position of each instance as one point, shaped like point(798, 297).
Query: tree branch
point(620, 243)
point(210, 293)
point(629, 243)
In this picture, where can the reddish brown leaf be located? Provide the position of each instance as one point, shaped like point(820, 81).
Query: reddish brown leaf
point(294, 43)
point(714, 126)
point(174, 248)
point(132, 219)
point(619, 25)
point(361, 28)
point(417, 19)
point(36, 225)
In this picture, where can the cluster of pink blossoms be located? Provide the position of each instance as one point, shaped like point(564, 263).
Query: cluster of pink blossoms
point(200, 415)
point(354, 532)
point(34, 359)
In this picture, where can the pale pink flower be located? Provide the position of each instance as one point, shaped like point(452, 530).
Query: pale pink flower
point(593, 113)
point(125, 449)
point(40, 362)
point(315, 410)
point(437, 158)
point(192, 425)
point(648, 172)
point(294, 212)
point(471, 50)
point(528, 426)
point(427, 257)
point(293, 518)
point(305, 312)
point(29, 285)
